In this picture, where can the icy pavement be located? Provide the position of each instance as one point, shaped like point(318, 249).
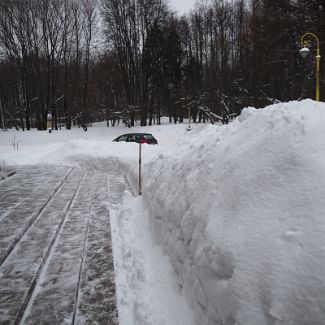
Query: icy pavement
point(56, 264)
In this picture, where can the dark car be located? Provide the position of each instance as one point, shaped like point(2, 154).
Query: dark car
point(137, 137)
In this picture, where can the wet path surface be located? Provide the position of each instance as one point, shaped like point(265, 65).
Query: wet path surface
point(56, 263)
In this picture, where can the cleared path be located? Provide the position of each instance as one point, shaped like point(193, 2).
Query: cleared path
point(56, 264)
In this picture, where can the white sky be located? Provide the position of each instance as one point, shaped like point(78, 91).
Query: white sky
point(182, 6)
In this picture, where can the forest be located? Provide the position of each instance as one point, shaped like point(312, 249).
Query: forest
point(75, 62)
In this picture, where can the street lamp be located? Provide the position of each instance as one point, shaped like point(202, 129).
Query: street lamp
point(304, 51)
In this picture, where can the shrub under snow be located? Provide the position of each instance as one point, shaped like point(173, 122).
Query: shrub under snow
point(240, 210)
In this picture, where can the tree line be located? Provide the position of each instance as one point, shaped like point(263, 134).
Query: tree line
point(134, 61)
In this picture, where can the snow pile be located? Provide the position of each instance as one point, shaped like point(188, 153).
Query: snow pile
point(239, 209)
point(147, 289)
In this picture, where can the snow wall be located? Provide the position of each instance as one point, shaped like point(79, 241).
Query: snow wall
point(240, 210)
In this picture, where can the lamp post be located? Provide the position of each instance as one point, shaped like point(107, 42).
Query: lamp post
point(304, 51)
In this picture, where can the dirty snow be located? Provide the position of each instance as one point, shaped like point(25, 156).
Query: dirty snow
point(231, 218)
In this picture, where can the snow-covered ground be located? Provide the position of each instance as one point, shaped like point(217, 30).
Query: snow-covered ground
point(148, 291)
point(231, 218)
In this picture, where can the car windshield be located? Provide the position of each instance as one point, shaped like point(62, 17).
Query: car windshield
point(133, 138)
point(122, 138)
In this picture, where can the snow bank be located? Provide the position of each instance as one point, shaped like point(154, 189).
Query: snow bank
point(239, 209)
point(147, 290)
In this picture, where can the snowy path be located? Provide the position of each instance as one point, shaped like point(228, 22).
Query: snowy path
point(28, 198)
point(55, 241)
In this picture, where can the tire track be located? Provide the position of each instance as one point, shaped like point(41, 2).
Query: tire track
point(83, 255)
point(61, 268)
point(44, 263)
point(54, 298)
point(5, 252)
point(97, 292)
point(22, 267)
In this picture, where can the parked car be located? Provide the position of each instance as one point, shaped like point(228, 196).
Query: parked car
point(137, 137)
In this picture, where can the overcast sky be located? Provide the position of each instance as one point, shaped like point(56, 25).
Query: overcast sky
point(182, 6)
